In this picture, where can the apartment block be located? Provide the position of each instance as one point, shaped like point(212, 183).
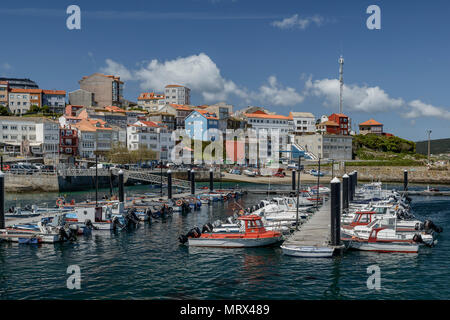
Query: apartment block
point(151, 101)
point(176, 94)
point(107, 89)
point(151, 135)
point(4, 89)
point(29, 136)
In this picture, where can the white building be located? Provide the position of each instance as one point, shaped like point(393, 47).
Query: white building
point(336, 147)
point(175, 94)
point(152, 136)
point(303, 122)
point(29, 135)
point(271, 123)
point(96, 135)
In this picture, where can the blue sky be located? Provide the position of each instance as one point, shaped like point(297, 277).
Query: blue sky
point(278, 54)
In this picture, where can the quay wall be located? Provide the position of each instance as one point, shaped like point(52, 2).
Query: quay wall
point(41, 182)
point(395, 174)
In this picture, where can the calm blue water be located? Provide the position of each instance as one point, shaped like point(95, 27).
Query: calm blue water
point(149, 263)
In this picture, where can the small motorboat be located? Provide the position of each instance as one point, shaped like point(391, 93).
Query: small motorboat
point(251, 234)
point(307, 251)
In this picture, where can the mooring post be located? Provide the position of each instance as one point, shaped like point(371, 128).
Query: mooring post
point(335, 212)
point(110, 182)
point(189, 175)
point(96, 180)
point(345, 192)
point(192, 182)
point(318, 187)
point(356, 179)
point(169, 184)
point(121, 189)
point(211, 179)
point(1, 165)
point(405, 180)
point(293, 179)
point(2, 200)
point(350, 186)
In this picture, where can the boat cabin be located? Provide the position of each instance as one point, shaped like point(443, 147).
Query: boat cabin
point(252, 223)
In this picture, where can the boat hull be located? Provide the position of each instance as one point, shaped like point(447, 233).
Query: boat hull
point(307, 252)
point(233, 242)
point(400, 247)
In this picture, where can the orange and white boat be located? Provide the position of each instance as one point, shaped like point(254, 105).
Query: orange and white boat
point(251, 234)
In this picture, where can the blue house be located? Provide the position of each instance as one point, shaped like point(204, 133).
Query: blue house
point(199, 122)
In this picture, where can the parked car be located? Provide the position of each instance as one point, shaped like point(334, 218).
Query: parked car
point(47, 168)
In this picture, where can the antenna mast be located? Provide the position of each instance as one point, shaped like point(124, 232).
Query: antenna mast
point(341, 82)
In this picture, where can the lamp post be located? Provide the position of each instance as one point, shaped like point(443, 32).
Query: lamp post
point(429, 133)
point(160, 159)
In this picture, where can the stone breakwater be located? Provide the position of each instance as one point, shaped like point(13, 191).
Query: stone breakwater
point(395, 174)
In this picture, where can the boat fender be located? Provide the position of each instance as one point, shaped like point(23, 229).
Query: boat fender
point(179, 203)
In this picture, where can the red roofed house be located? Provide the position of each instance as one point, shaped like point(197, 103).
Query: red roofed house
point(343, 121)
point(371, 126)
point(150, 135)
point(151, 101)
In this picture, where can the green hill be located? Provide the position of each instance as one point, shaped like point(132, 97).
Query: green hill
point(437, 146)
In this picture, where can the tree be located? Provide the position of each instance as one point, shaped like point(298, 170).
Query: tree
point(4, 111)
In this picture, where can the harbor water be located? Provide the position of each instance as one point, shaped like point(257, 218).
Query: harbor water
point(149, 263)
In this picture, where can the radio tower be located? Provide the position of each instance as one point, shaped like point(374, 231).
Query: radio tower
point(341, 82)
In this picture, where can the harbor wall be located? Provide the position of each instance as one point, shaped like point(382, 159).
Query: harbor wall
point(395, 174)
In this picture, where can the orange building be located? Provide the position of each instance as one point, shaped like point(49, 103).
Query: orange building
point(371, 126)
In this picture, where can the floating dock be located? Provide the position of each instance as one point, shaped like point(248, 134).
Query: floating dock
point(315, 232)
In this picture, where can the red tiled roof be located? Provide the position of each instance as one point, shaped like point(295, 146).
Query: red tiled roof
point(150, 95)
point(173, 86)
point(263, 115)
point(208, 115)
point(16, 90)
point(329, 124)
point(370, 122)
point(54, 92)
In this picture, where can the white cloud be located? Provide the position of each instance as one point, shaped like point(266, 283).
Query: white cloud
point(356, 98)
point(202, 75)
point(298, 22)
point(276, 95)
point(6, 66)
point(421, 109)
point(117, 69)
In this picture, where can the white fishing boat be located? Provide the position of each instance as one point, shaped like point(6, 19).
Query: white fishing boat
point(307, 251)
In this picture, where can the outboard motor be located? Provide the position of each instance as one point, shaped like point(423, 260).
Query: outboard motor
point(73, 231)
point(429, 225)
point(148, 213)
point(117, 224)
point(419, 226)
point(89, 225)
point(207, 228)
point(183, 239)
point(417, 238)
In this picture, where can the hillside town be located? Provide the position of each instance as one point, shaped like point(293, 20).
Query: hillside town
point(92, 120)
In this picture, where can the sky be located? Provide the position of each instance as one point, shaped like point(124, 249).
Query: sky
point(282, 55)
